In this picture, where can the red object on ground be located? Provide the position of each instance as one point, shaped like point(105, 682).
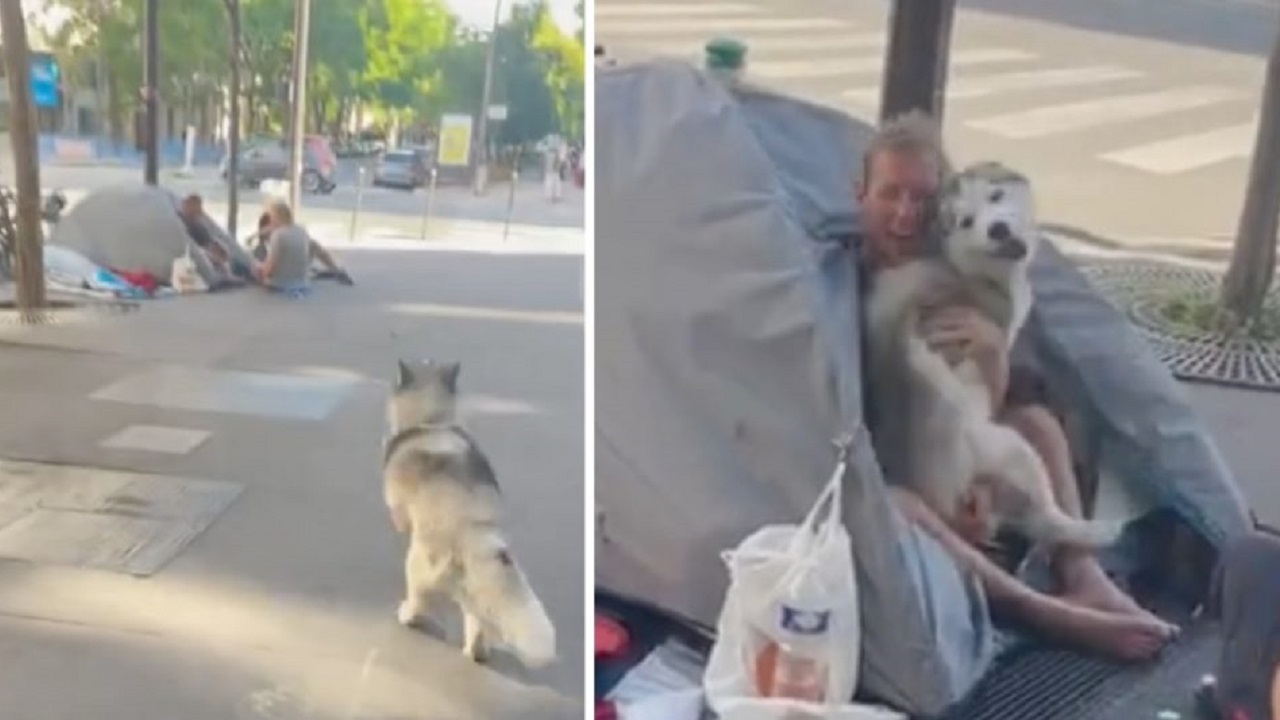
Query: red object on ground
point(612, 639)
point(140, 279)
point(606, 710)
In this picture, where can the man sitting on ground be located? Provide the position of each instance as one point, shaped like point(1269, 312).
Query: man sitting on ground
point(290, 250)
point(902, 172)
point(191, 212)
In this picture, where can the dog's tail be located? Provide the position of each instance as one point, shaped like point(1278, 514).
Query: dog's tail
point(1054, 527)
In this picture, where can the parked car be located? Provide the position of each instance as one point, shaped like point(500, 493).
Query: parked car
point(406, 168)
point(268, 159)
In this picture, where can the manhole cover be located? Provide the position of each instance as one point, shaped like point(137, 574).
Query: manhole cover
point(110, 520)
point(64, 312)
point(1162, 301)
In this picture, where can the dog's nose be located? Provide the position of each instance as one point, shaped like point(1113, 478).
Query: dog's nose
point(999, 231)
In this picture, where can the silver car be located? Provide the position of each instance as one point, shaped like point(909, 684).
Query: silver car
point(402, 168)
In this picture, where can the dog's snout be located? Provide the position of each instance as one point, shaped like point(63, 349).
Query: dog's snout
point(1013, 248)
point(999, 231)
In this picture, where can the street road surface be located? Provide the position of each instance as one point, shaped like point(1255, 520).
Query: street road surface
point(1135, 118)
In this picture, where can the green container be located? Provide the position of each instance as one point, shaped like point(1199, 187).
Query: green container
point(726, 54)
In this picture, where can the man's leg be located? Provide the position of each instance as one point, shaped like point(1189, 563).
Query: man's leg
point(1124, 636)
point(319, 253)
point(1080, 577)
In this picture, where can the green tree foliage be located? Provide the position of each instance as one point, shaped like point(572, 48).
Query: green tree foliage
point(407, 60)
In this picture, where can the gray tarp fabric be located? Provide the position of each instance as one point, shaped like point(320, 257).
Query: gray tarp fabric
point(134, 228)
point(727, 359)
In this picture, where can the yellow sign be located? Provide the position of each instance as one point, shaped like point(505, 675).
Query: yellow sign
point(455, 141)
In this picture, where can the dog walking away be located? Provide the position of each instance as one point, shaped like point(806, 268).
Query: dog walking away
point(942, 436)
point(441, 491)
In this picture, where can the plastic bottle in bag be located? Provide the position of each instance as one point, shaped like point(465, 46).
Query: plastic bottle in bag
point(791, 661)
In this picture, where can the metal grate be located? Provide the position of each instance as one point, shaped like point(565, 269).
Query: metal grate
point(1061, 685)
point(1143, 289)
point(62, 312)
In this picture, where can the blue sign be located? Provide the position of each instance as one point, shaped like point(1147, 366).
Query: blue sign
point(44, 81)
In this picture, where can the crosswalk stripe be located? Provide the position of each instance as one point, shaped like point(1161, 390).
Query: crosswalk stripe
point(797, 69)
point(722, 26)
point(1069, 117)
point(671, 9)
point(758, 45)
point(1189, 152)
point(988, 85)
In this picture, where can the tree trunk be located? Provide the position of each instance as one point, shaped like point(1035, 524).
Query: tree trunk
point(29, 253)
point(915, 67)
point(1253, 259)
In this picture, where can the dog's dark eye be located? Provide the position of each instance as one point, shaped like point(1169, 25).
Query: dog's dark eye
point(504, 557)
point(966, 222)
point(997, 196)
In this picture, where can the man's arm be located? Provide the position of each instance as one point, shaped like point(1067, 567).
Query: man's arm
point(268, 264)
point(960, 332)
point(992, 359)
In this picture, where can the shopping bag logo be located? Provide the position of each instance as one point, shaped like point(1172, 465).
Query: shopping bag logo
point(805, 622)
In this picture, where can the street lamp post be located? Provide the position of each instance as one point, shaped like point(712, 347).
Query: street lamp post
point(150, 92)
point(233, 129)
point(301, 34)
point(481, 176)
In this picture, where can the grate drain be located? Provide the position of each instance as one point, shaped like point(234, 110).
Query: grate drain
point(64, 312)
point(1144, 290)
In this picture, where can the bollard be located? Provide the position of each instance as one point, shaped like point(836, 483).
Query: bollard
point(431, 199)
point(511, 204)
point(355, 212)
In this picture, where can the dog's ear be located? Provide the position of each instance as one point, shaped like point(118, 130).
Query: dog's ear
point(450, 374)
point(404, 374)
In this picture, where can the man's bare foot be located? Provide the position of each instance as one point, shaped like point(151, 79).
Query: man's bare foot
point(1086, 584)
point(1121, 636)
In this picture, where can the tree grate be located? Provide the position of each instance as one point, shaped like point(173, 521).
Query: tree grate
point(1145, 290)
point(64, 312)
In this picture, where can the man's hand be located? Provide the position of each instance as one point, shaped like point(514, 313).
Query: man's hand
point(960, 333)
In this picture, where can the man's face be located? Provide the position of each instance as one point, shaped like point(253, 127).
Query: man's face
point(191, 208)
point(895, 197)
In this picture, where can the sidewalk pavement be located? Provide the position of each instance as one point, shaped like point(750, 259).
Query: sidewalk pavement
point(284, 606)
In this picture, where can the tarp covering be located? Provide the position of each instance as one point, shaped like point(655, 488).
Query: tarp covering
point(728, 359)
point(134, 228)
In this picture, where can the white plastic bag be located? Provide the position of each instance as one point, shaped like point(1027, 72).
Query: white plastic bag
point(789, 632)
point(185, 278)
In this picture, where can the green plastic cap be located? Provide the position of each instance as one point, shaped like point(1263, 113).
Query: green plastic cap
point(725, 54)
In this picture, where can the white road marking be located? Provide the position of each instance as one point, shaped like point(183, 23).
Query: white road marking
point(758, 45)
point(607, 29)
point(1189, 152)
point(1046, 121)
point(988, 85)
point(798, 69)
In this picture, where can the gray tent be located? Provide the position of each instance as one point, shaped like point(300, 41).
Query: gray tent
point(727, 360)
point(136, 228)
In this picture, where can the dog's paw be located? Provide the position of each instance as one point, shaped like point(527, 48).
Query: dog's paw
point(477, 653)
point(407, 614)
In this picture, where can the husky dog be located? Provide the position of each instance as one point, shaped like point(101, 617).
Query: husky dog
point(940, 421)
point(441, 490)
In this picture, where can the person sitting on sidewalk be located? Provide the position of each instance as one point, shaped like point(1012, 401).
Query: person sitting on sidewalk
point(290, 250)
point(196, 222)
point(903, 170)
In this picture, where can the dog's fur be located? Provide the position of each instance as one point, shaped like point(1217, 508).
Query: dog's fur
point(940, 417)
point(441, 490)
